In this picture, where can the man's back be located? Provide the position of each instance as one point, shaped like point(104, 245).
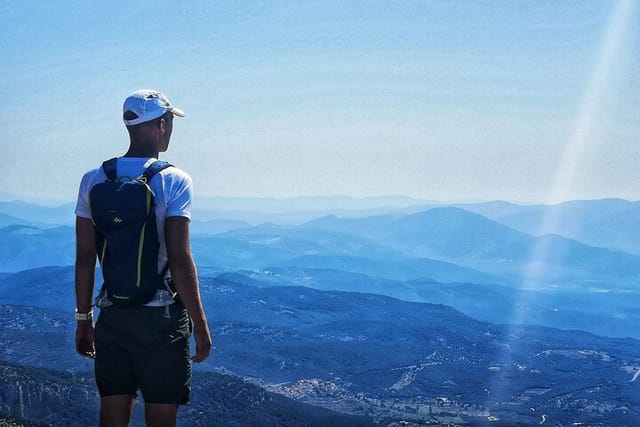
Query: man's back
point(172, 190)
point(144, 347)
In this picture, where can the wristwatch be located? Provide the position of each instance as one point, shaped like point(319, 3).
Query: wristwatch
point(84, 316)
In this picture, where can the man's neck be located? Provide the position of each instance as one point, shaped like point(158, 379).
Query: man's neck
point(142, 149)
point(132, 153)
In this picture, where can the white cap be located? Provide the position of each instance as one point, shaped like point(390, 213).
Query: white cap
point(146, 104)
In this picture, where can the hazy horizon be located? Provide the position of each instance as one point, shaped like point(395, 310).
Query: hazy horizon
point(409, 201)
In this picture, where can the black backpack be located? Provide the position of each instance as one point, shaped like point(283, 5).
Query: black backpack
point(122, 210)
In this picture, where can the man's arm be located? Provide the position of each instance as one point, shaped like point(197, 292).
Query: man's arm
point(85, 274)
point(185, 279)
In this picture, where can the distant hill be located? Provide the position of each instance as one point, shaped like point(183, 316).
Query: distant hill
point(611, 314)
point(456, 234)
point(6, 220)
point(297, 210)
point(474, 241)
point(35, 213)
point(268, 244)
point(216, 226)
point(304, 203)
point(608, 223)
point(51, 287)
point(60, 398)
point(400, 269)
point(23, 247)
point(372, 226)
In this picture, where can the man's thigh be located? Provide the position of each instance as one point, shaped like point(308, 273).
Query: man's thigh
point(115, 411)
point(160, 415)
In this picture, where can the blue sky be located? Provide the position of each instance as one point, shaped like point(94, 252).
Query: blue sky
point(523, 101)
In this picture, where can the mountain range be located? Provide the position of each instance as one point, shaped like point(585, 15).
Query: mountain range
point(395, 309)
point(450, 235)
point(608, 223)
point(441, 255)
point(471, 240)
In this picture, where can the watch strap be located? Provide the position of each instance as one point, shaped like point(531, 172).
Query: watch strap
point(84, 316)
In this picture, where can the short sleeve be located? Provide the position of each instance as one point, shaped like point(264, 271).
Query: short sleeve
point(180, 196)
point(82, 205)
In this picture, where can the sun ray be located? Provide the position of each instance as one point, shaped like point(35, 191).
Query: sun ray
point(577, 144)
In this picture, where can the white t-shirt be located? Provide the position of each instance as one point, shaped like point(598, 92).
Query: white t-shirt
point(172, 188)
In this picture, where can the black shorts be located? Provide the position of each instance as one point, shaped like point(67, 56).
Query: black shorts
point(144, 348)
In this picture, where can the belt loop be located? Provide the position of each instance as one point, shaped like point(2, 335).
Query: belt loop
point(166, 312)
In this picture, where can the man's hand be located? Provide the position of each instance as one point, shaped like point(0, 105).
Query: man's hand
point(203, 342)
point(84, 339)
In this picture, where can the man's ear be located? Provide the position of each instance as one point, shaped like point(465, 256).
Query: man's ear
point(163, 126)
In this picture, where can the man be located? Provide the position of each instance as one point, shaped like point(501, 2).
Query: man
point(145, 347)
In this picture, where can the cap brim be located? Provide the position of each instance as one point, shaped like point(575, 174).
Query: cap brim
point(177, 112)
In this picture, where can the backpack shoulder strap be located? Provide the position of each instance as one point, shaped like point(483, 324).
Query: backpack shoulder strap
point(109, 167)
point(154, 168)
